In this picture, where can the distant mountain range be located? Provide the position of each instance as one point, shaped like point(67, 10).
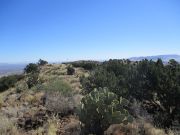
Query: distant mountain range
point(8, 69)
point(164, 58)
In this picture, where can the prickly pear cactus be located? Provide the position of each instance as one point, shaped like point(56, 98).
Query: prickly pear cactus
point(101, 108)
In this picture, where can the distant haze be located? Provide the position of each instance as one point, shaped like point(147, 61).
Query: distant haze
point(8, 69)
point(164, 58)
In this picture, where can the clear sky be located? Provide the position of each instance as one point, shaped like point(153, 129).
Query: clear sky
point(60, 30)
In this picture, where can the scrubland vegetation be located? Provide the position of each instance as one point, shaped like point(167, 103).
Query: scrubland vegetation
point(153, 84)
point(115, 97)
point(9, 81)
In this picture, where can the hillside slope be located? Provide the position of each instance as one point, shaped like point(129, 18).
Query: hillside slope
point(28, 111)
point(50, 106)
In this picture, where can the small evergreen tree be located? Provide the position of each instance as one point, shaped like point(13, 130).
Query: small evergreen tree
point(9, 81)
point(154, 84)
point(31, 68)
point(70, 70)
point(42, 62)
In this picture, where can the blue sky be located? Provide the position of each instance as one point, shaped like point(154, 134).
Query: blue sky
point(60, 30)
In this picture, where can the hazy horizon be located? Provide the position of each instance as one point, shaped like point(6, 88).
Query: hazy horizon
point(97, 29)
point(61, 61)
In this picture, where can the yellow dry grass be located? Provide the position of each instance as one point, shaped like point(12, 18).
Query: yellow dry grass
point(52, 126)
point(59, 71)
point(7, 127)
point(47, 73)
point(138, 127)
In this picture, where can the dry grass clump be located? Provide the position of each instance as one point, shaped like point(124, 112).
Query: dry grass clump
point(59, 72)
point(59, 104)
point(72, 128)
point(52, 126)
point(64, 126)
point(147, 128)
point(60, 98)
point(138, 127)
point(1, 101)
point(27, 98)
point(38, 97)
point(57, 85)
point(7, 127)
point(39, 131)
point(21, 86)
point(150, 129)
point(142, 125)
point(32, 98)
point(56, 69)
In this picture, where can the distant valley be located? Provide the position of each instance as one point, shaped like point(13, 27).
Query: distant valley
point(8, 69)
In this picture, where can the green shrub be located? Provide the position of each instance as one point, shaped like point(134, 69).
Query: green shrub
point(7, 126)
point(70, 70)
point(9, 81)
point(59, 97)
point(57, 86)
point(31, 68)
point(87, 65)
point(32, 80)
point(113, 74)
point(99, 78)
point(154, 84)
point(101, 108)
point(21, 86)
